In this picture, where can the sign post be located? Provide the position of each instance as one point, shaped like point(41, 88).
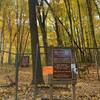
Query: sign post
point(62, 71)
point(62, 64)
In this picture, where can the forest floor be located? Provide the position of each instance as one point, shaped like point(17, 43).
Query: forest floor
point(87, 88)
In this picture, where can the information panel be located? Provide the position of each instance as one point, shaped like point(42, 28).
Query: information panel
point(62, 64)
point(25, 61)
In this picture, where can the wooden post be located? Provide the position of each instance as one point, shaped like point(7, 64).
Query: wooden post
point(73, 90)
point(51, 91)
point(34, 92)
point(73, 86)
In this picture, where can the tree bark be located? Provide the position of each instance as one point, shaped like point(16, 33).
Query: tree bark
point(42, 18)
point(81, 31)
point(91, 25)
point(36, 63)
point(2, 38)
point(10, 38)
point(59, 41)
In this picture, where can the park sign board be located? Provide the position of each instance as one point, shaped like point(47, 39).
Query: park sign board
point(62, 64)
point(25, 61)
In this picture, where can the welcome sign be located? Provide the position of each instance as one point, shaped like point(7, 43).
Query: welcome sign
point(62, 64)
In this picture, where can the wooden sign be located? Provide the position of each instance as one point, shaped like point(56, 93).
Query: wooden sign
point(62, 64)
point(25, 61)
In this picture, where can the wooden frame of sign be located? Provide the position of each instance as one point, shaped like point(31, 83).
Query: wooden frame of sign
point(62, 73)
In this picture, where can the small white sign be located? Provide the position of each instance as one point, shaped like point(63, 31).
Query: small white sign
point(74, 69)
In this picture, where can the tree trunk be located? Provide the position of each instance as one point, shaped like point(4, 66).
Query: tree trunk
point(2, 38)
point(91, 24)
point(59, 41)
point(10, 39)
point(42, 19)
point(36, 63)
point(96, 5)
point(68, 9)
point(81, 31)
